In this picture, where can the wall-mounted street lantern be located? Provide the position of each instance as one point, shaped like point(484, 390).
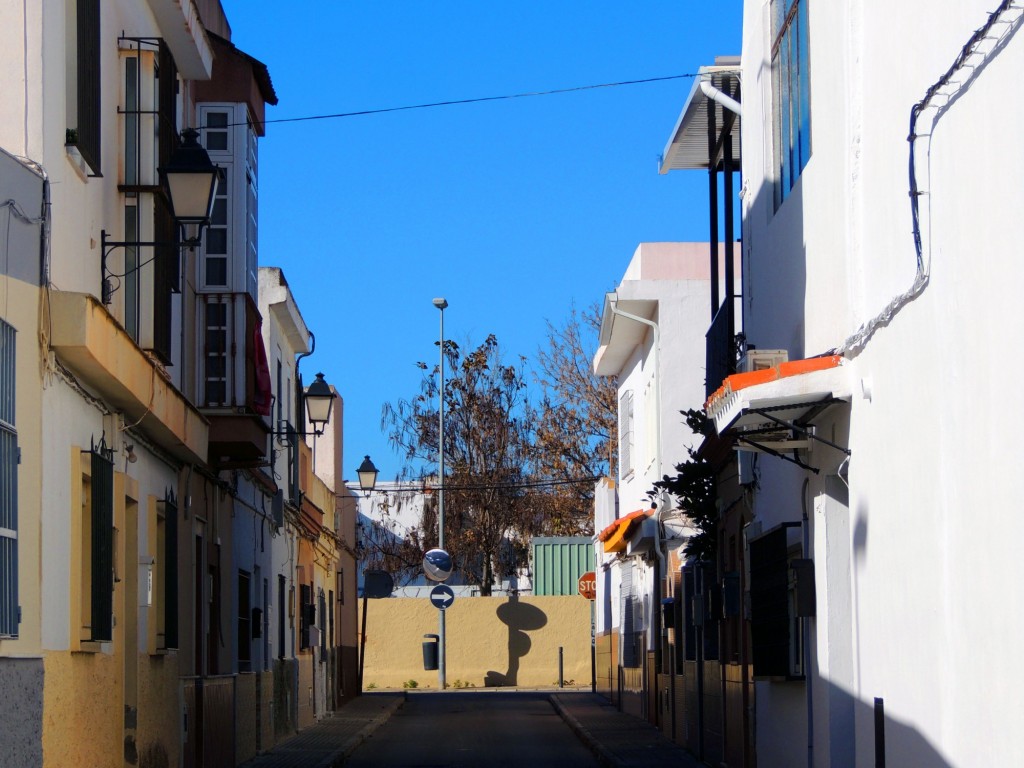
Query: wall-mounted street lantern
point(318, 400)
point(190, 183)
point(367, 473)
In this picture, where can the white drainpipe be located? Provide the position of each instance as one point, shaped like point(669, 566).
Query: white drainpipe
point(721, 97)
point(613, 303)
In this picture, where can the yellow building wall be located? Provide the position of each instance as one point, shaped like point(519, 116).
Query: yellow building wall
point(491, 641)
point(83, 721)
point(158, 737)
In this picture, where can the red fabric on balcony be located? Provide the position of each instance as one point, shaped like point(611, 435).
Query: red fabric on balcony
point(262, 397)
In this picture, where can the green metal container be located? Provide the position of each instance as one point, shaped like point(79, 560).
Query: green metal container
point(558, 563)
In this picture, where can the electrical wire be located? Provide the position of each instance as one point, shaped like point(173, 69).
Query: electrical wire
point(489, 486)
point(477, 100)
point(856, 342)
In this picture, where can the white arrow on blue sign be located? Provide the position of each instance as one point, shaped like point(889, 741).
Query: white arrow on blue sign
point(442, 596)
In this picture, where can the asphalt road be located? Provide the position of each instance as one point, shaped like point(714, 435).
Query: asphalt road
point(474, 728)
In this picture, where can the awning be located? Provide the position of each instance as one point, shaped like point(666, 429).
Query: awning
point(687, 147)
point(616, 536)
point(774, 410)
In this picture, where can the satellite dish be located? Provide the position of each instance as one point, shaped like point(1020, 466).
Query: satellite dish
point(437, 565)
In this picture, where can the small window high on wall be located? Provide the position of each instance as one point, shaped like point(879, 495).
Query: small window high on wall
point(791, 94)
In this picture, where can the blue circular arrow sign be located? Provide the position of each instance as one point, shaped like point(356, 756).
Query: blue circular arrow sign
point(442, 596)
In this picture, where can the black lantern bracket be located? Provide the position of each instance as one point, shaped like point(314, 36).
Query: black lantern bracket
point(190, 182)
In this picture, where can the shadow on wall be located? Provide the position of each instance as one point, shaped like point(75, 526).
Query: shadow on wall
point(519, 618)
point(864, 733)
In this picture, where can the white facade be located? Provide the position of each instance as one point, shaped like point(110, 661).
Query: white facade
point(915, 537)
point(648, 342)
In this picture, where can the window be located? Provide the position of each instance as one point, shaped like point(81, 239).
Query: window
point(215, 353)
point(791, 93)
point(9, 611)
point(626, 434)
point(780, 598)
point(165, 577)
point(97, 529)
point(244, 621)
point(83, 98)
point(307, 615)
point(251, 215)
point(217, 136)
point(281, 589)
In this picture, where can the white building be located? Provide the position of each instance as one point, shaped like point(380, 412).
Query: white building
point(886, 516)
point(647, 340)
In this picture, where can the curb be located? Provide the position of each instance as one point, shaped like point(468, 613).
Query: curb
point(603, 754)
point(339, 757)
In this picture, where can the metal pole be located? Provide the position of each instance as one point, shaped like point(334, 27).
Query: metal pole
point(441, 682)
point(561, 669)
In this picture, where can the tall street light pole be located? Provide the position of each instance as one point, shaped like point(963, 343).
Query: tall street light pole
point(441, 304)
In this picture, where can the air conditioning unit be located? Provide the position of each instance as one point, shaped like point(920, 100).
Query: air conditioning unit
point(759, 359)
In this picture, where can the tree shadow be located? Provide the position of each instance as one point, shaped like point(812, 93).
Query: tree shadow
point(519, 618)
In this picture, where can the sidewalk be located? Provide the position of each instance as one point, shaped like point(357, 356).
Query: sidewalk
point(334, 738)
point(617, 740)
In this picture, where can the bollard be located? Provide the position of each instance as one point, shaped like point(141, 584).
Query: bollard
point(561, 671)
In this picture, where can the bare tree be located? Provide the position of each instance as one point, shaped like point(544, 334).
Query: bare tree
point(576, 432)
point(488, 439)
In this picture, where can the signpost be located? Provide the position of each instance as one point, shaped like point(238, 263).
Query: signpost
point(587, 585)
point(442, 596)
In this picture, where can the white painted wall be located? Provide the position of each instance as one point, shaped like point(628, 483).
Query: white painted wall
point(918, 583)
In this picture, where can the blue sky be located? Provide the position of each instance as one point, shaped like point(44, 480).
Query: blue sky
point(513, 210)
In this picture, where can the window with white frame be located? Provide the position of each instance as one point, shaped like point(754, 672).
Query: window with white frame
point(217, 138)
point(791, 94)
point(626, 434)
point(9, 611)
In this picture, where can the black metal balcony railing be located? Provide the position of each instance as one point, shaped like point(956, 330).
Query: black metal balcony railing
point(720, 349)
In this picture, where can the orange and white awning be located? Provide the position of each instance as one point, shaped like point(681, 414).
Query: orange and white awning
point(615, 536)
point(773, 410)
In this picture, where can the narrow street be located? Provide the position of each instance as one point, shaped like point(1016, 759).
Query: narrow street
point(474, 728)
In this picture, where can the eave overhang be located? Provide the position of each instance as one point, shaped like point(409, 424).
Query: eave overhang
point(687, 147)
point(183, 31)
point(94, 346)
point(619, 336)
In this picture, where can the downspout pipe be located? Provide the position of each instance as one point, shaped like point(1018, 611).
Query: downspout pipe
point(721, 97)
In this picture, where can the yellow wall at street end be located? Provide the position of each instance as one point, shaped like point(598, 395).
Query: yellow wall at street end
point(491, 641)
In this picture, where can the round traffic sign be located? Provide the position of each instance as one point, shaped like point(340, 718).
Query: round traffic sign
point(442, 596)
point(587, 585)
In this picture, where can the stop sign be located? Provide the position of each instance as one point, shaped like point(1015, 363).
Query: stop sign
point(587, 585)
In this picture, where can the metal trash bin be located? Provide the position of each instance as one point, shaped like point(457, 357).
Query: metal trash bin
point(430, 652)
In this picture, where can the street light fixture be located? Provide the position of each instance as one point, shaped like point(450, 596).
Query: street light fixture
point(442, 305)
point(367, 473)
point(190, 182)
point(318, 400)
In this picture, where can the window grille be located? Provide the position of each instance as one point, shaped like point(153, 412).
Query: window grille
point(9, 611)
point(102, 561)
point(170, 555)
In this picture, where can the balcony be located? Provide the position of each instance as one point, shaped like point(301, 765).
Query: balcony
point(234, 381)
point(720, 349)
point(94, 346)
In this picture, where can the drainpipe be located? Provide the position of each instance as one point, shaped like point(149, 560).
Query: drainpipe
point(613, 301)
point(721, 97)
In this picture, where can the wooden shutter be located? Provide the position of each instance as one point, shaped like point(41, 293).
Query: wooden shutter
point(170, 555)
point(88, 73)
